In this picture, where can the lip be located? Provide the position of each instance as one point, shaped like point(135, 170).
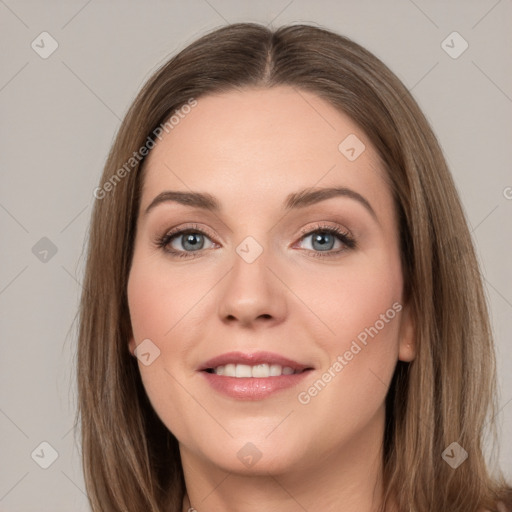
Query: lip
point(252, 360)
point(252, 388)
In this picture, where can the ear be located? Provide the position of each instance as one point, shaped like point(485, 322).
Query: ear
point(407, 338)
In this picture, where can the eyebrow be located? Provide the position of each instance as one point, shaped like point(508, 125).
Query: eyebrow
point(300, 199)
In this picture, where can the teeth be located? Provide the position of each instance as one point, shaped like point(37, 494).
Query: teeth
point(275, 370)
point(261, 370)
point(243, 370)
point(258, 371)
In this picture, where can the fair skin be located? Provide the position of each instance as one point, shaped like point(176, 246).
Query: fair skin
point(251, 149)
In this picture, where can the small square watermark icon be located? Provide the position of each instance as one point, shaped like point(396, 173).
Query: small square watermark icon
point(249, 249)
point(44, 455)
point(44, 45)
point(454, 455)
point(351, 147)
point(44, 250)
point(249, 455)
point(146, 352)
point(454, 45)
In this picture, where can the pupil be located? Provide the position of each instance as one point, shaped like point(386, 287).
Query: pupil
point(192, 239)
point(320, 238)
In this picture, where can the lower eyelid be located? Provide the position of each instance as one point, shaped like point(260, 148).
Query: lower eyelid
point(339, 234)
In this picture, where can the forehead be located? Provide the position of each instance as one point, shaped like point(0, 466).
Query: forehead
point(257, 145)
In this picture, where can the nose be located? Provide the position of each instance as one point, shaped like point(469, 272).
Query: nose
point(253, 293)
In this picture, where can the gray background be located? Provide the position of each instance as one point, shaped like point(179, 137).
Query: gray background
point(59, 116)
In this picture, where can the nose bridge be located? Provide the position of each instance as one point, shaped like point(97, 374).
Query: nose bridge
point(251, 290)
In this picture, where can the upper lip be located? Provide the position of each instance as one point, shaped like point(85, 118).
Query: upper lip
point(252, 359)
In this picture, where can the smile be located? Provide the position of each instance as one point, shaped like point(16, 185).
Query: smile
point(253, 376)
point(257, 371)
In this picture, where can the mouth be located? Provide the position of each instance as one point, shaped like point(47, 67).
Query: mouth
point(259, 371)
point(252, 376)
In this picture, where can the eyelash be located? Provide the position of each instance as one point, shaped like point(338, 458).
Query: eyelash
point(343, 236)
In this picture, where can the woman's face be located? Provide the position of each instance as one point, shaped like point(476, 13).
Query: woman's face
point(258, 285)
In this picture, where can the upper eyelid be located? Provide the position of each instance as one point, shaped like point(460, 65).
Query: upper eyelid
point(193, 228)
point(345, 238)
point(324, 226)
point(180, 230)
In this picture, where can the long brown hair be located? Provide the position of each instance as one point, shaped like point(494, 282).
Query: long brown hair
point(447, 394)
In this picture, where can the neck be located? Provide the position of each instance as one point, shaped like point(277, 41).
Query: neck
point(347, 479)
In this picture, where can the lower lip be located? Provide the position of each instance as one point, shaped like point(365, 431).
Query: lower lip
point(252, 388)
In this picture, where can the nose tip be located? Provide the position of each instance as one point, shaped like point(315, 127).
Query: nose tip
point(247, 314)
point(247, 318)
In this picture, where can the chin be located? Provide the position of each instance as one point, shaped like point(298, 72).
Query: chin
point(258, 456)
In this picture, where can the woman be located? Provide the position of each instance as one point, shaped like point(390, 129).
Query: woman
point(282, 307)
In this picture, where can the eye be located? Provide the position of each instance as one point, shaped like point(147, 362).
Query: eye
point(183, 242)
point(324, 238)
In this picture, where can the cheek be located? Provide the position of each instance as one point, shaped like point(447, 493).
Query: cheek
point(161, 300)
point(367, 312)
point(158, 302)
point(167, 306)
point(362, 308)
point(355, 302)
